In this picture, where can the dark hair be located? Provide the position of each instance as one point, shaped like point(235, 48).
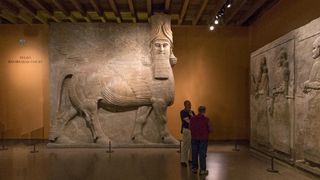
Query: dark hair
point(186, 102)
point(202, 109)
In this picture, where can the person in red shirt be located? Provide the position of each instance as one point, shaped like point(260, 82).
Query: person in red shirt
point(200, 129)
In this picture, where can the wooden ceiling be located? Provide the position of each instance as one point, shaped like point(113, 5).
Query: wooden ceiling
point(183, 12)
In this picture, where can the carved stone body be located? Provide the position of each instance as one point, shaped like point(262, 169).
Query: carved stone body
point(280, 123)
point(271, 105)
point(312, 88)
point(120, 86)
point(261, 97)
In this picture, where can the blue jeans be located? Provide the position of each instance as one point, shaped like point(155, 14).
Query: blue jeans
point(199, 150)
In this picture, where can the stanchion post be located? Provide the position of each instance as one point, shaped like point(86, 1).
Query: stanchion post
point(34, 148)
point(235, 146)
point(272, 170)
point(3, 147)
point(109, 148)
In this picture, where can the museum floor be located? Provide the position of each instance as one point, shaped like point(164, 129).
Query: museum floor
point(73, 164)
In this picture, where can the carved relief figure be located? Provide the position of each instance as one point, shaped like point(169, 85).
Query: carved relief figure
point(261, 97)
point(149, 89)
point(280, 121)
point(312, 88)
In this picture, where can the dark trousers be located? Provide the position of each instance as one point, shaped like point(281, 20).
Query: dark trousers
point(199, 151)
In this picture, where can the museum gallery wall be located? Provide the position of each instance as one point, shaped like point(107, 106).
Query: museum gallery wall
point(24, 77)
point(216, 63)
point(284, 97)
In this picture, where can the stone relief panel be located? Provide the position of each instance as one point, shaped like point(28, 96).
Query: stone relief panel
point(111, 82)
point(272, 80)
point(291, 78)
point(307, 99)
point(281, 92)
point(259, 101)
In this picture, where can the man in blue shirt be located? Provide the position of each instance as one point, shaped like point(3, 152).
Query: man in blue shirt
point(185, 116)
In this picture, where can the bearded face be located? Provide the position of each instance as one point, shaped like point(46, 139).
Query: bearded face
point(160, 53)
point(160, 47)
point(316, 50)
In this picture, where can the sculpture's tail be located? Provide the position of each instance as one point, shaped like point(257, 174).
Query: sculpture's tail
point(63, 100)
point(62, 104)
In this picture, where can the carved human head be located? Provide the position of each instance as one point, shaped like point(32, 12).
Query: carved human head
point(161, 41)
point(263, 61)
point(161, 47)
point(316, 48)
point(283, 56)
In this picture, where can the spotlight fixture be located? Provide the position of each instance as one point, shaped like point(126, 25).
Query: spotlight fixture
point(229, 3)
point(211, 27)
point(216, 21)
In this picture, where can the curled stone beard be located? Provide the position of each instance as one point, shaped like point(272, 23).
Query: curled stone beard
point(161, 66)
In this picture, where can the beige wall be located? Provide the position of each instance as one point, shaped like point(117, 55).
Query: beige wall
point(212, 70)
point(284, 17)
point(24, 86)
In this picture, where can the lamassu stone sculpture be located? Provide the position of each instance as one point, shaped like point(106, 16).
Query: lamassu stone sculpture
point(124, 86)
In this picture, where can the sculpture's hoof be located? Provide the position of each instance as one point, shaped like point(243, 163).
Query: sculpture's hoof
point(64, 140)
point(170, 140)
point(53, 139)
point(102, 140)
point(139, 139)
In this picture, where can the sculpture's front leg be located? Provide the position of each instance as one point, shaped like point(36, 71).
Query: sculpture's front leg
point(143, 113)
point(90, 109)
point(160, 109)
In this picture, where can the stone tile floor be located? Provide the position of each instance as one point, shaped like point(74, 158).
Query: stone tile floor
point(17, 163)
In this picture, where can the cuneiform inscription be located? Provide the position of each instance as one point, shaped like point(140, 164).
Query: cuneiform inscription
point(25, 60)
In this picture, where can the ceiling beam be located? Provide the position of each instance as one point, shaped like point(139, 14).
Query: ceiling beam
point(199, 14)
point(258, 4)
point(36, 2)
point(14, 11)
point(9, 18)
point(149, 9)
point(98, 9)
point(167, 6)
point(29, 10)
point(10, 8)
point(78, 6)
point(63, 9)
point(24, 18)
point(235, 10)
point(133, 13)
point(60, 7)
point(183, 11)
point(80, 9)
point(115, 10)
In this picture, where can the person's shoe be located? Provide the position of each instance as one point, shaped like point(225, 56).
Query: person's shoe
point(204, 172)
point(183, 164)
point(194, 171)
